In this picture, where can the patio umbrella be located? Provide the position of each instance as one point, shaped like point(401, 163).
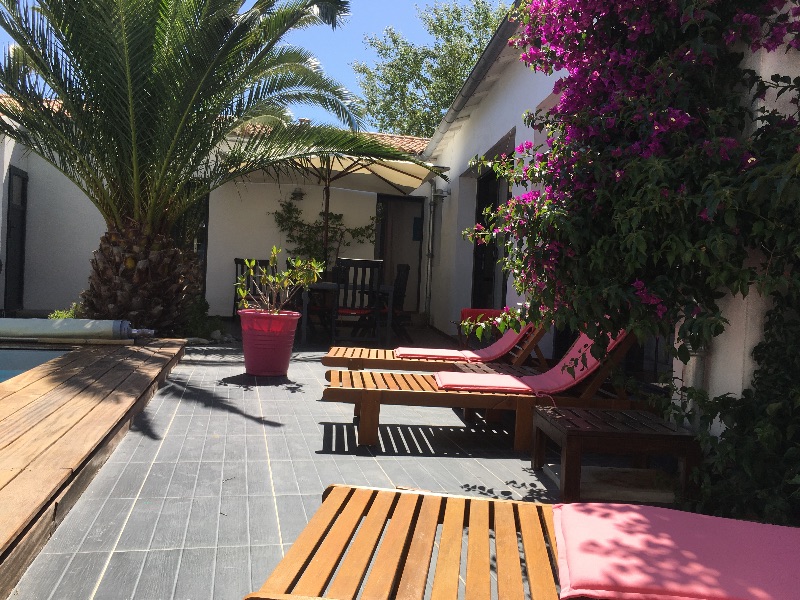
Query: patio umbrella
point(364, 174)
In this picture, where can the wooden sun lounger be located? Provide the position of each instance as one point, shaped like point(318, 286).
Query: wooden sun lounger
point(356, 359)
point(368, 390)
point(380, 544)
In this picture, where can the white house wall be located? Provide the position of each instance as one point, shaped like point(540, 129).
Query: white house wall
point(241, 225)
point(517, 89)
point(62, 230)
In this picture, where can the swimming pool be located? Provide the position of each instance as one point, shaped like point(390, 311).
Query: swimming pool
point(14, 361)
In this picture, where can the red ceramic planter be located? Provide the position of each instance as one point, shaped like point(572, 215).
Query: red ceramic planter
point(267, 339)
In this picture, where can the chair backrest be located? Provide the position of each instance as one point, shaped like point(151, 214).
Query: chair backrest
point(241, 269)
point(359, 280)
point(571, 370)
point(400, 285)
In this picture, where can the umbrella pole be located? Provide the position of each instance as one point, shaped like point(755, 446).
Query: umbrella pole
point(326, 194)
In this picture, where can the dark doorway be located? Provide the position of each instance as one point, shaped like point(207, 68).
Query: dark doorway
point(15, 239)
point(488, 281)
point(398, 240)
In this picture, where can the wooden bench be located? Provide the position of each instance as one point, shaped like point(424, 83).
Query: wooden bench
point(369, 390)
point(636, 432)
point(379, 544)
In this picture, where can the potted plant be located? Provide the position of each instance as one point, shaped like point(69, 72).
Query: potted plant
point(267, 329)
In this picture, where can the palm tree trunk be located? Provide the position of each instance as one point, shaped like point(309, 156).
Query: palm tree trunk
point(141, 278)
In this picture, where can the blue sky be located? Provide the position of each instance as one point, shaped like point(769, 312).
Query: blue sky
point(338, 49)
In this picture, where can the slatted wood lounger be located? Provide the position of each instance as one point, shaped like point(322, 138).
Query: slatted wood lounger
point(368, 390)
point(354, 358)
point(341, 552)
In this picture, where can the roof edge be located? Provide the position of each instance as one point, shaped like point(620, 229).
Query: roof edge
point(491, 53)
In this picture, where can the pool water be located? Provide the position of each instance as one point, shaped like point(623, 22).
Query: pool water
point(14, 361)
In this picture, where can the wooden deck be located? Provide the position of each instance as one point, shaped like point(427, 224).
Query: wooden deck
point(59, 423)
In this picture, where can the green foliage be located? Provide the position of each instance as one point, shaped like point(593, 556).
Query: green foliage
point(269, 289)
point(752, 469)
point(73, 312)
point(198, 323)
point(666, 183)
point(135, 101)
point(482, 326)
point(411, 86)
point(307, 237)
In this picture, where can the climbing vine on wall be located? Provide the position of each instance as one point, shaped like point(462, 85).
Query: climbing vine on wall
point(659, 191)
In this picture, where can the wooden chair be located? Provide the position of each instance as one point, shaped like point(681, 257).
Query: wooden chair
point(355, 358)
point(241, 269)
point(399, 317)
point(357, 298)
point(368, 390)
point(372, 543)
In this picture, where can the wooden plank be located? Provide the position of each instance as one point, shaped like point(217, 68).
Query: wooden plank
point(368, 377)
point(427, 383)
point(37, 373)
point(354, 566)
point(25, 549)
point(448, 562)
point(540, 573)
point(408, 381)
point(509, 569)
point(348, 379)
point(21, 501)
point(317, 574)
point(283, 578)
point(43, 434)
point(378, 381)
point(20, 398)
point(391, 381)
point(335, 379)
point(418, 561)
point(478, 584)
point(52, 402)
point(386, 565)
point(73, 449)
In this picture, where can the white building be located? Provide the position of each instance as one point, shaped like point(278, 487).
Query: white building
point(49, 229)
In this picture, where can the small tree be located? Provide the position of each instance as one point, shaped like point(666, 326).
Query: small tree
point(410, 88)
point(307, 237)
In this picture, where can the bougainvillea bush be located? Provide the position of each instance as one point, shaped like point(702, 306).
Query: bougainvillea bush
point(666, 182)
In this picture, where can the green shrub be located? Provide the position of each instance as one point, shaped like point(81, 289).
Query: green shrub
point(73, 312)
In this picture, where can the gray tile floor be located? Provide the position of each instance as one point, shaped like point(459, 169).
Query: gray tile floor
point(221, 472)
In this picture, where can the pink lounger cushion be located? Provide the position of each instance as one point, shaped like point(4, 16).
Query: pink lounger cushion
point(493, 352)
point(502, 346)
point(620, 551)
point(430, 353)
point(480, 382)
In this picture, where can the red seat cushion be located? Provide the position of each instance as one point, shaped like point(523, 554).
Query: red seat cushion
point(647, 553)
point(355, 312)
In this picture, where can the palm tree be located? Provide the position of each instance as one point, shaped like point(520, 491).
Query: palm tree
point(147, 105)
